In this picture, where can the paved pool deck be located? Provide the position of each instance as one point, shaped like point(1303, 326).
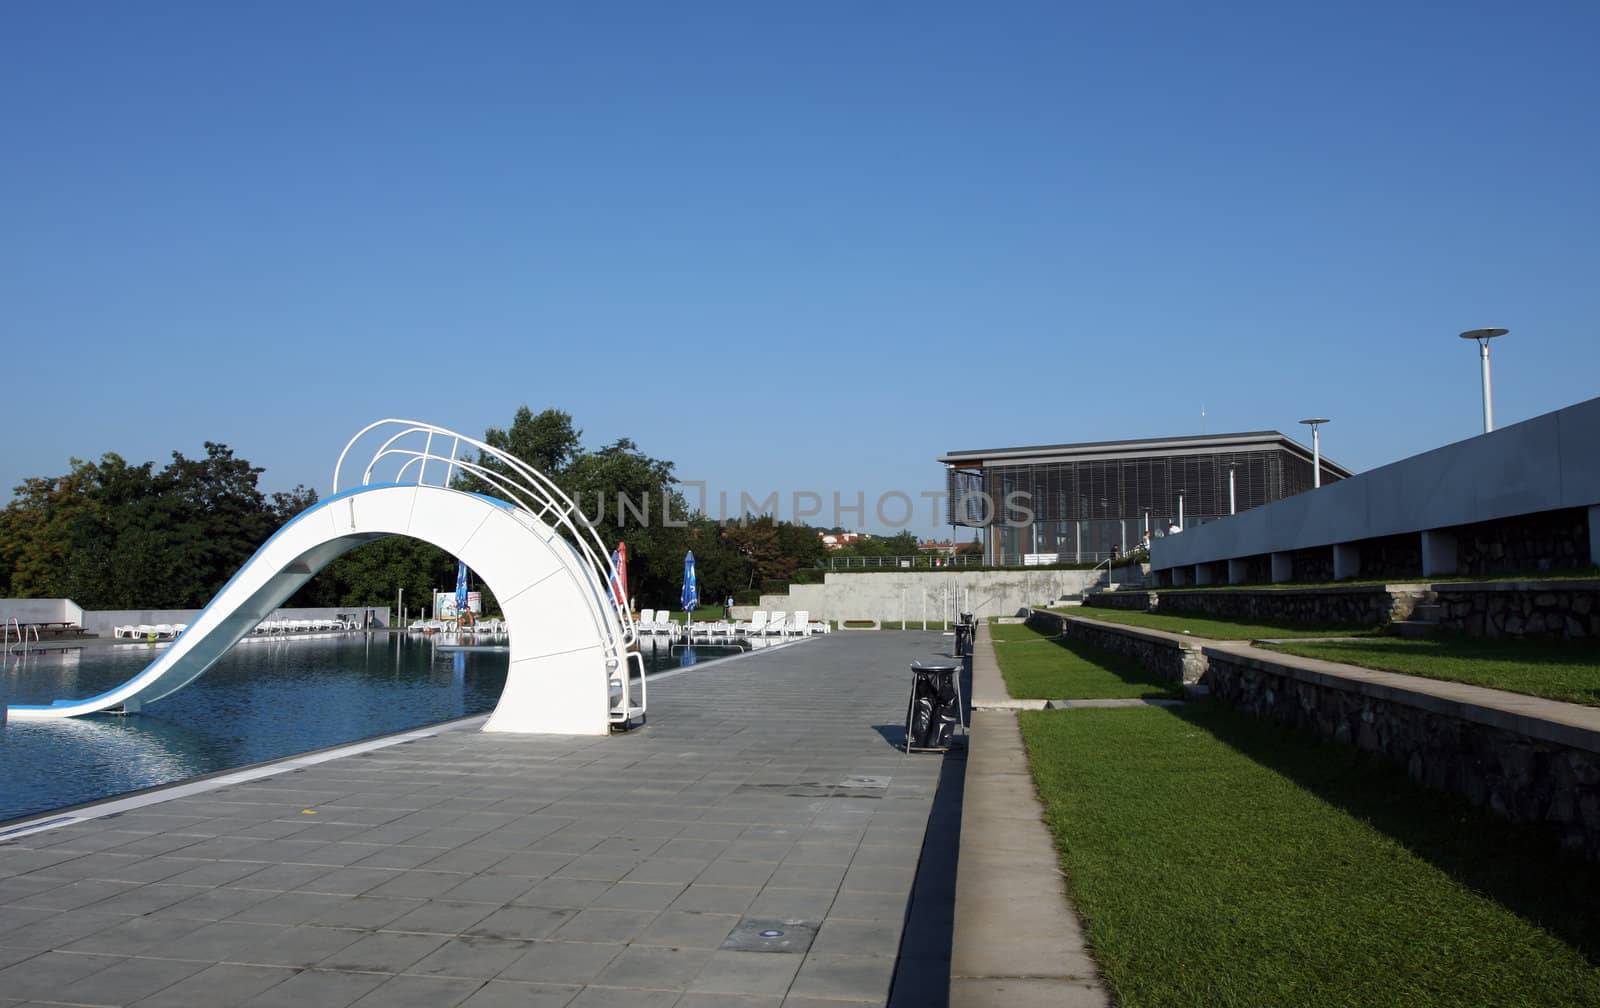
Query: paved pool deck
point(768, 793)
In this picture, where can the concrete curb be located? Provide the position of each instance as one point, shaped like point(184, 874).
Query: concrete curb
point(1017, 940)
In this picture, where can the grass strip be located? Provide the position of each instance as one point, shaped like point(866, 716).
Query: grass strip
point(1557, 670)
point(1038, 666)
point(1220, 859)
point(1215, 627)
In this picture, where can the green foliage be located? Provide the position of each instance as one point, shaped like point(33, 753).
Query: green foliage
point(110, 535)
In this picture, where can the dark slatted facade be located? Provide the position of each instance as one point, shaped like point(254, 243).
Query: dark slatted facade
point(1078, 502)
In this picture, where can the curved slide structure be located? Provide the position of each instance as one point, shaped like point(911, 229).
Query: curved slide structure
point(568, 637)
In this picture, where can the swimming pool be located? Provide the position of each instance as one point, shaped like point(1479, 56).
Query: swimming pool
point(264, 700)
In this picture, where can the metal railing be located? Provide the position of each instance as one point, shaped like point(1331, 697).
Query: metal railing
point(922, 561)
point(533, 494)
point(13, 626)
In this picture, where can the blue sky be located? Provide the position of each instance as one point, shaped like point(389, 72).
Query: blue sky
point(798, 248)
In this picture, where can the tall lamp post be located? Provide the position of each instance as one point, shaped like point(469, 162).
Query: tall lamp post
point(1483, 336)
point(1316, 449)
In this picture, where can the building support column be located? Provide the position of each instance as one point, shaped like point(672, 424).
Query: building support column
point(1238, 570)
point(1182, 576)
point(1282, 567)
point(1202, 574)
point(1346, 561)
point(1438, 553)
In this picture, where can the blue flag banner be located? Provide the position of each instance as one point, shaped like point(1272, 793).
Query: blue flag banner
point(691, 590)
point(461, 587)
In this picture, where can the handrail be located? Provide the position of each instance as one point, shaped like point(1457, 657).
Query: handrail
point(530, 491)
point(22, 635)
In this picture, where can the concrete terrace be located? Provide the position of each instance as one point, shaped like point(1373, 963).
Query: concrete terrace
point(766, 794)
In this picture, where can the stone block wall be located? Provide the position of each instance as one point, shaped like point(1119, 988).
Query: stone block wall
point(1556, 610)
point(1135, 600)
point(1546, 540)
point(1356, 606)
point(1518, 767)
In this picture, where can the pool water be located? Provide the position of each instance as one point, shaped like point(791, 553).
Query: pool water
point(264, 700)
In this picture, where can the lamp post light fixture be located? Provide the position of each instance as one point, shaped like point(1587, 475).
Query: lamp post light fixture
point(1483, 336)
point(1316, 449)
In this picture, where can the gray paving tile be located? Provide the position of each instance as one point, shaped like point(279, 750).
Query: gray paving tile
point(127, 981)
point(840, 937)
point(762, 973)
point(715, 899)
point(317, 989)
point(605, 925)
point(791, 904)
point(40, 976)
point(638, 896)
point(688, 929)
point(219, 986)
point(558, 962)
point(383, 953)
point(661, 968)
point(134, 935)
point(371, 912)
point(518, 923)
point(302, 946)
point(419, 992)
point(865, 978)
point(470, 958)
point(623, 997)
point(511, 994)
point(731, 1001)
point(442, 917)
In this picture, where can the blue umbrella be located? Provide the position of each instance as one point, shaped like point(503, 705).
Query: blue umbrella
point(690, 598)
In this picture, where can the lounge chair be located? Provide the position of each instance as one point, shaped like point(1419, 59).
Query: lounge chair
point(800, 625)
point(779, 624)
point(646, 623)
point(757, 625)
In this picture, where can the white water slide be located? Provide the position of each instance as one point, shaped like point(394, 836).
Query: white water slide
point(570, 640)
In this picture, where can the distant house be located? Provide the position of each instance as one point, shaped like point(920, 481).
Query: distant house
point(839, 540)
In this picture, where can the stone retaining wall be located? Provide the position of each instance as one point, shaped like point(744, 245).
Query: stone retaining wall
point(1557, 610)
point(1520, 767)
point(1355, 606)
point(1567, 610)
point(1169, 655)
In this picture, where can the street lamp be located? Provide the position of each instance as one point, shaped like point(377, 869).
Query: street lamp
point(1316, 450)
point(1483, 336)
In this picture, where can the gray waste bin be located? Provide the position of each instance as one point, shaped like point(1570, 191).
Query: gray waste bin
point(935, 706)
point(966, 628)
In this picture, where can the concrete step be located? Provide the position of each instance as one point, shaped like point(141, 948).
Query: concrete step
point(1427, 612)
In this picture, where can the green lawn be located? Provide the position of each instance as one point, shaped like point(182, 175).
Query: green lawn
point(1553, 669)
point(1037, 666)
point(1220, 859)
point(1213, 627)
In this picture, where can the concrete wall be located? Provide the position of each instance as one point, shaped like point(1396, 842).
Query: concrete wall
point(905, 595)
point(41, 610)
point(1543, 464)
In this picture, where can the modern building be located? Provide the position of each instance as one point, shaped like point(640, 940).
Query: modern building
point(1079, 503)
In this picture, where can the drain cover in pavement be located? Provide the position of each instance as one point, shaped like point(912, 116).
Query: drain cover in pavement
point(765, 934)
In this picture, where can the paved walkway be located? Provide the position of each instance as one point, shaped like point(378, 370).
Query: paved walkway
point(1017, 940)
point(767, 794)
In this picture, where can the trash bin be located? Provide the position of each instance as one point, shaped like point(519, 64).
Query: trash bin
point(935, 706)
point(965, 629)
